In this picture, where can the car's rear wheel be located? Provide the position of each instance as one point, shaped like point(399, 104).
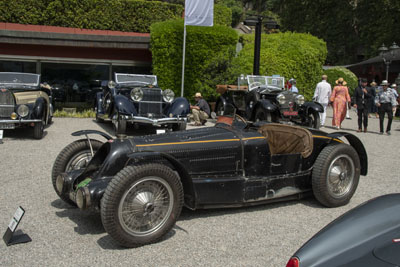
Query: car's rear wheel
point(141, 204)
point(73, 157)
point(219, 109)
point(335, 175)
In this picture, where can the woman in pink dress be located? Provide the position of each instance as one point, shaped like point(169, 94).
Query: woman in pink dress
point(340, 95)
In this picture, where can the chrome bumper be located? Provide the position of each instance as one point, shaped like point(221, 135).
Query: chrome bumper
point(19, 121)
point(154, 122)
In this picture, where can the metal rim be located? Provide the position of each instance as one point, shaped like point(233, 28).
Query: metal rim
point(146, 206)
point(341, 174)
point(79, 161)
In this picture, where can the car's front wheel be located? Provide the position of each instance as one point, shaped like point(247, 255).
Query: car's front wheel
point(219, 109)
point(73, 157)
point(263, 115)
point(119, 126)
point(38, 129)
point(179, 126)
point(141, 204)
point(313, 120)
point(335, 175)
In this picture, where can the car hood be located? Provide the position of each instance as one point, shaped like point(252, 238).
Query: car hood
point(367, 231)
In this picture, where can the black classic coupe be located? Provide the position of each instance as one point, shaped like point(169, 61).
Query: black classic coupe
point(137, 99)
point(140, 184)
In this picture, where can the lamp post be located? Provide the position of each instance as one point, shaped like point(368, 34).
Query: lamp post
point(257, 22)
point(388, 55)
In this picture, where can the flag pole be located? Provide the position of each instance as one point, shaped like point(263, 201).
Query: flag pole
point(183, 58)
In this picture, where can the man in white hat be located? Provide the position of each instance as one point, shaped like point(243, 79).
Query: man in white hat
point(200, 111)
point(385, 101)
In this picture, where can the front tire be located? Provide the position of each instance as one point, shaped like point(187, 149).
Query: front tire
point(141, 204)
point(179, 126)
point(119, 126)
point(335, 175)
point(73, 157)
point(263, 115)
point(38, 129)
point(314, 121)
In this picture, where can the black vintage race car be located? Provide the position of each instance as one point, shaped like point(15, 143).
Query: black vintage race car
point(263, 98)
point(368, 235)
point(24, 101)
point(137, 99)
point(140, 184)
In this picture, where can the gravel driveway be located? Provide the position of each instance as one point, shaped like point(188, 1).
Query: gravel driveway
point(265, 235)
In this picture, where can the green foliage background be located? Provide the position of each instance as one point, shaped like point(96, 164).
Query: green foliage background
point(337, 72)
point(209, 51)
point(291, 55)
point(117, 15)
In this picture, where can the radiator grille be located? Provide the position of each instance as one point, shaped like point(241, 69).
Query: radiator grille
point(151, 102)
point(6, 103)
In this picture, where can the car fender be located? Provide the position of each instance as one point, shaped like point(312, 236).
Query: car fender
point(39, 108)
point(87, 132)
point(356, 143)
point(179, 107)
point(312, 107)
point(123, 105)
point(147, 157)
point(99, 102)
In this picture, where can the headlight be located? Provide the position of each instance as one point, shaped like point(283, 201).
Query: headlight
point(281, 99)
point(168, 95)
point(23, 110)
point(83, 198)
point(111, 84)
point(60, 183)
point(300, 100)
point(137, 94)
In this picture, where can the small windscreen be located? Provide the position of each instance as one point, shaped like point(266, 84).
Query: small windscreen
point(123, 78)
point(12, 78)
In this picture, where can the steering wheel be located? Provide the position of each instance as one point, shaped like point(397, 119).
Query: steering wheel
point(254, 84)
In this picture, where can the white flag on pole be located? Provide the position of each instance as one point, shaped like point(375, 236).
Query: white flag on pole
point(199, 12)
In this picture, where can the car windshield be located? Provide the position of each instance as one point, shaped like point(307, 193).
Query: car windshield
point(255, 81)
point(19, 79)
point(123, 78)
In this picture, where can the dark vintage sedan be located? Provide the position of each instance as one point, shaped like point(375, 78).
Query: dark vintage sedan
point(24, 101)
point(140, 184)
point(368, 235)
point(263, 98)
point(137, 99)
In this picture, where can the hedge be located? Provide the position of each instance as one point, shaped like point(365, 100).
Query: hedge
point(291, 55)
point(209, 50)
point(337, 72)
point(117, 15)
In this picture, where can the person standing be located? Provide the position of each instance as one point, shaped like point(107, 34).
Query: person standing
point(396, 95)
point(361, 97)
point(200, 111)
point(339, 97)
point(385, 101)
point(372, 107)
point(321, 95)
point(293, 87)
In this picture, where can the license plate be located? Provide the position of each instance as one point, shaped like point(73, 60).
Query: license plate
point(290, 113)
point(160, 131)
point(7, 126)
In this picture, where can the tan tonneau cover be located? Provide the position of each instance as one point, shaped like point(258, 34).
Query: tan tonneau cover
point(222, 88)
point(287, 139)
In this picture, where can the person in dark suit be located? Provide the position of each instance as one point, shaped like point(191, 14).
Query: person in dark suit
point(362, 97)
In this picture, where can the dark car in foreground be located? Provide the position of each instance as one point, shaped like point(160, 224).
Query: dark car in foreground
point(140, 184)
point(24, 101)
point(368, 235)
point(137, 99)
point(263, 98)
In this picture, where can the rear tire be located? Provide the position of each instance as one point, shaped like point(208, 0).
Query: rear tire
point(141, 204)
point(335, 175)
point(74, 156)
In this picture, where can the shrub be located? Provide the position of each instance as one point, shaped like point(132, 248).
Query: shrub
point(337, 72)
point(209, 51)
point(291, 55)
point(89, 113)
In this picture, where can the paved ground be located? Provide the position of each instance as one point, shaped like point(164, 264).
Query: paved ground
point(265, 235)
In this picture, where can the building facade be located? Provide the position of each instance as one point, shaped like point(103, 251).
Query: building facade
point(73, 61)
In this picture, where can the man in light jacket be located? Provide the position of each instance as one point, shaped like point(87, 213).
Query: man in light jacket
point(322, 93)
